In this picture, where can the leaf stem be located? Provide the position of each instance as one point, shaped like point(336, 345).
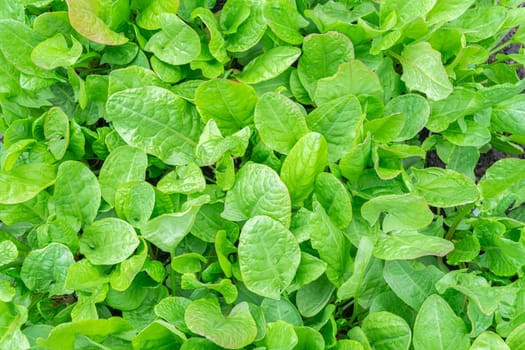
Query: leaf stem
point(461, 215)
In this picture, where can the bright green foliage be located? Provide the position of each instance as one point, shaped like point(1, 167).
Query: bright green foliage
point(279, 174)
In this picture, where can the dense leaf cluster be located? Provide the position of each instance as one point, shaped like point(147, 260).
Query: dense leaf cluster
point(181, 175)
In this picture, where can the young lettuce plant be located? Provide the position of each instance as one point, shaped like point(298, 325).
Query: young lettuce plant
point(261, 174)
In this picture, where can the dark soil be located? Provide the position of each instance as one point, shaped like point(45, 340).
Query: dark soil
point(219, 5)
point(489, 158)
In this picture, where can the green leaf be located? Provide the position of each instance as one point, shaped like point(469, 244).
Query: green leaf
point(88, 18)
point(403, 212)
point(489, 340)
point(281, 310)
point(8, 252)
point(404, 12)
point(416, 111)
point(216, 43)
point(176, 43)
point(134, 202)
point(77, 193)
point(353, 78)
point(411, 245)
point(17, 45)
point(34, 211)
point(424, 72)
point(235, 331)
point(387, 331)
point(172, 309)
point(229, 103)
point(313, 297)
point(258, 190)
point(269, 256)
point(351, 288)
point(285, 21)
point(56, 132)
point(322, 55)
point(412, 282)
point(502, 255)
point(85, 277)
point(63, 336)
point(335, 199)
point(448, 330)
point(465, 250)
point(308, 339)
point(503, 183)
point(141, 118)
point(448, 10)
point(471, 134)
point(481, 22)
point(124, 164)
point(213, 147)
point(339, 122)
point(185, 179)
point(332, 245)
point(476, 288)
point(310, 268)
point(108, 241)
point(158, 335)
point(515, 339)
point(246, 30)
point(387, 129)
point(444, 188)
point(509, 115)
point(55, 52)
point(168, 230)
point(280, 335)
point(44, 270)
point(305, 161)
point(209, 220)
point(25, 182)
point(150, 16)
point(124, 273)
point(460, 103)
point(269, 65)
point(279, 121)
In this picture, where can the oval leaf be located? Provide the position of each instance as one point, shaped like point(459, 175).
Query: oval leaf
point(268, 256)
point(230, 104)
point(157, 121)
point(235, 331)
point(306, 160)
point(108, 241)
point(258, 190)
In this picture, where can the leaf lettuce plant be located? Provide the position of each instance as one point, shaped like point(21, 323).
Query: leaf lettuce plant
point(259, 175)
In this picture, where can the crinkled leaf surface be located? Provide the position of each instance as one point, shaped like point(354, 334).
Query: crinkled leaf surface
point(258, 190)
point(444, 188)
point(141, 118)
point(176, 43)
point(124, 164)
point(44, 270)
point(108, 241)
point(338, 121)
point(268, 256)
point(234, 331)
point(77, 193)
point(280, 121)
point(424, 72)
point(228, 103)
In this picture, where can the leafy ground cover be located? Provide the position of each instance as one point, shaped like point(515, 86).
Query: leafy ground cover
point(261, 174)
